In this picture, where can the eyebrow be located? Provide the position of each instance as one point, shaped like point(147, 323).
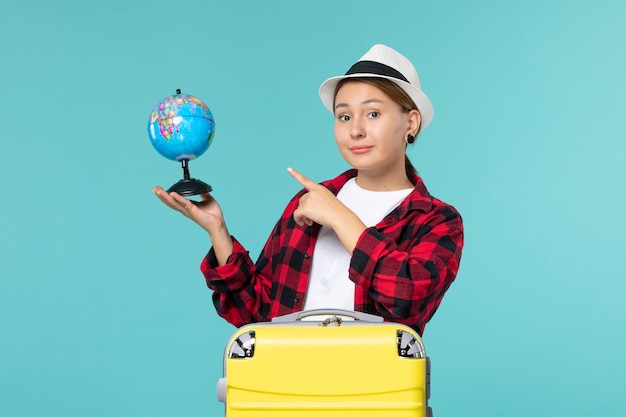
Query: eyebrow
point(368, 101)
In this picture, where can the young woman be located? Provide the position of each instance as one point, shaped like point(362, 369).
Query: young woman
point(372, 239)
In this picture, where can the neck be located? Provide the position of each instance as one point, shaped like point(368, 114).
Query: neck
point(390, 181)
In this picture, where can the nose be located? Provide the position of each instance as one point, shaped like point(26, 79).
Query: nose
point(357, 130)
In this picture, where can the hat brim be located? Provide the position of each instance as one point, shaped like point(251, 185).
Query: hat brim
point(422, 102)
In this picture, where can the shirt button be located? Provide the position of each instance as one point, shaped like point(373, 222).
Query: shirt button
point(307, 256)
point(296, 300)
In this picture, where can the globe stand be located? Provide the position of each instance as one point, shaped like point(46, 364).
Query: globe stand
point(189, 186)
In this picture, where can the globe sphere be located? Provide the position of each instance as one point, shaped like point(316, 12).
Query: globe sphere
point(181, 127)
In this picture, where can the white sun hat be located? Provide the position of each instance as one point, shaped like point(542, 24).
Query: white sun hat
point(384, 62)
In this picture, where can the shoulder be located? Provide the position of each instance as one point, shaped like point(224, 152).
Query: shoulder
point(421, 199)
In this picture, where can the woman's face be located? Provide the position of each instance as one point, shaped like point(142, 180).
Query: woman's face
point(371, 128)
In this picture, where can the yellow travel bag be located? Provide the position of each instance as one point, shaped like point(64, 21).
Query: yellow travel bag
point(325, 363)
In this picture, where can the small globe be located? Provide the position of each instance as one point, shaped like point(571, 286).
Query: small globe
point(181, 127)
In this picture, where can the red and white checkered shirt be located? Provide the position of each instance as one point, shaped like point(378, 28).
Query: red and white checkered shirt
point(401, 268)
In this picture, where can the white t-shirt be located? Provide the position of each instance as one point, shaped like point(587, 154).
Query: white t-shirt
point(329, 285)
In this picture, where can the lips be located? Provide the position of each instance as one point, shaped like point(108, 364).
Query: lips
point(360, 149)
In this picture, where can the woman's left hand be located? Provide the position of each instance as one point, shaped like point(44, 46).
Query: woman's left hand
point(319, 205)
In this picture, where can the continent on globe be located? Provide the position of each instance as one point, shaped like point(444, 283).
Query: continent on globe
point(181, 127)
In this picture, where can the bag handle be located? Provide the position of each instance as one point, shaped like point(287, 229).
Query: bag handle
point(299, 315)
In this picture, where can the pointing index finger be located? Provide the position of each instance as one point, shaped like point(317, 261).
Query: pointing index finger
point(306, 182)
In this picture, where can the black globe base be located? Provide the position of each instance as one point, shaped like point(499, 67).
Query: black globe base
point(189, 186)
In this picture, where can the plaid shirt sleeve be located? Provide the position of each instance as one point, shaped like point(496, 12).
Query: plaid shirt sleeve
point(236, 297)
point(403, 267)
point(247, 292)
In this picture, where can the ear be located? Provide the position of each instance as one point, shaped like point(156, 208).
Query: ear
point(415, 121)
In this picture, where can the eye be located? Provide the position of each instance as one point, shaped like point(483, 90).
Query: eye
point(343, 117)
point(373, 114)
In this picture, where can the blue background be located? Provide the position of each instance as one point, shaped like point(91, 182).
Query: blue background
point(103, 310)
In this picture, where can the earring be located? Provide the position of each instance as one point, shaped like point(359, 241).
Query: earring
point(410, 138)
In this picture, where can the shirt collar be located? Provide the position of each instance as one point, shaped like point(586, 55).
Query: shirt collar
point(419, 199)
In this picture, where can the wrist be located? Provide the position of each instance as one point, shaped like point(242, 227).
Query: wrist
point(218, 233)
point(222, 244)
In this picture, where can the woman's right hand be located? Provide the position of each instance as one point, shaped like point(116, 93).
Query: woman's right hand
point(207, 213)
